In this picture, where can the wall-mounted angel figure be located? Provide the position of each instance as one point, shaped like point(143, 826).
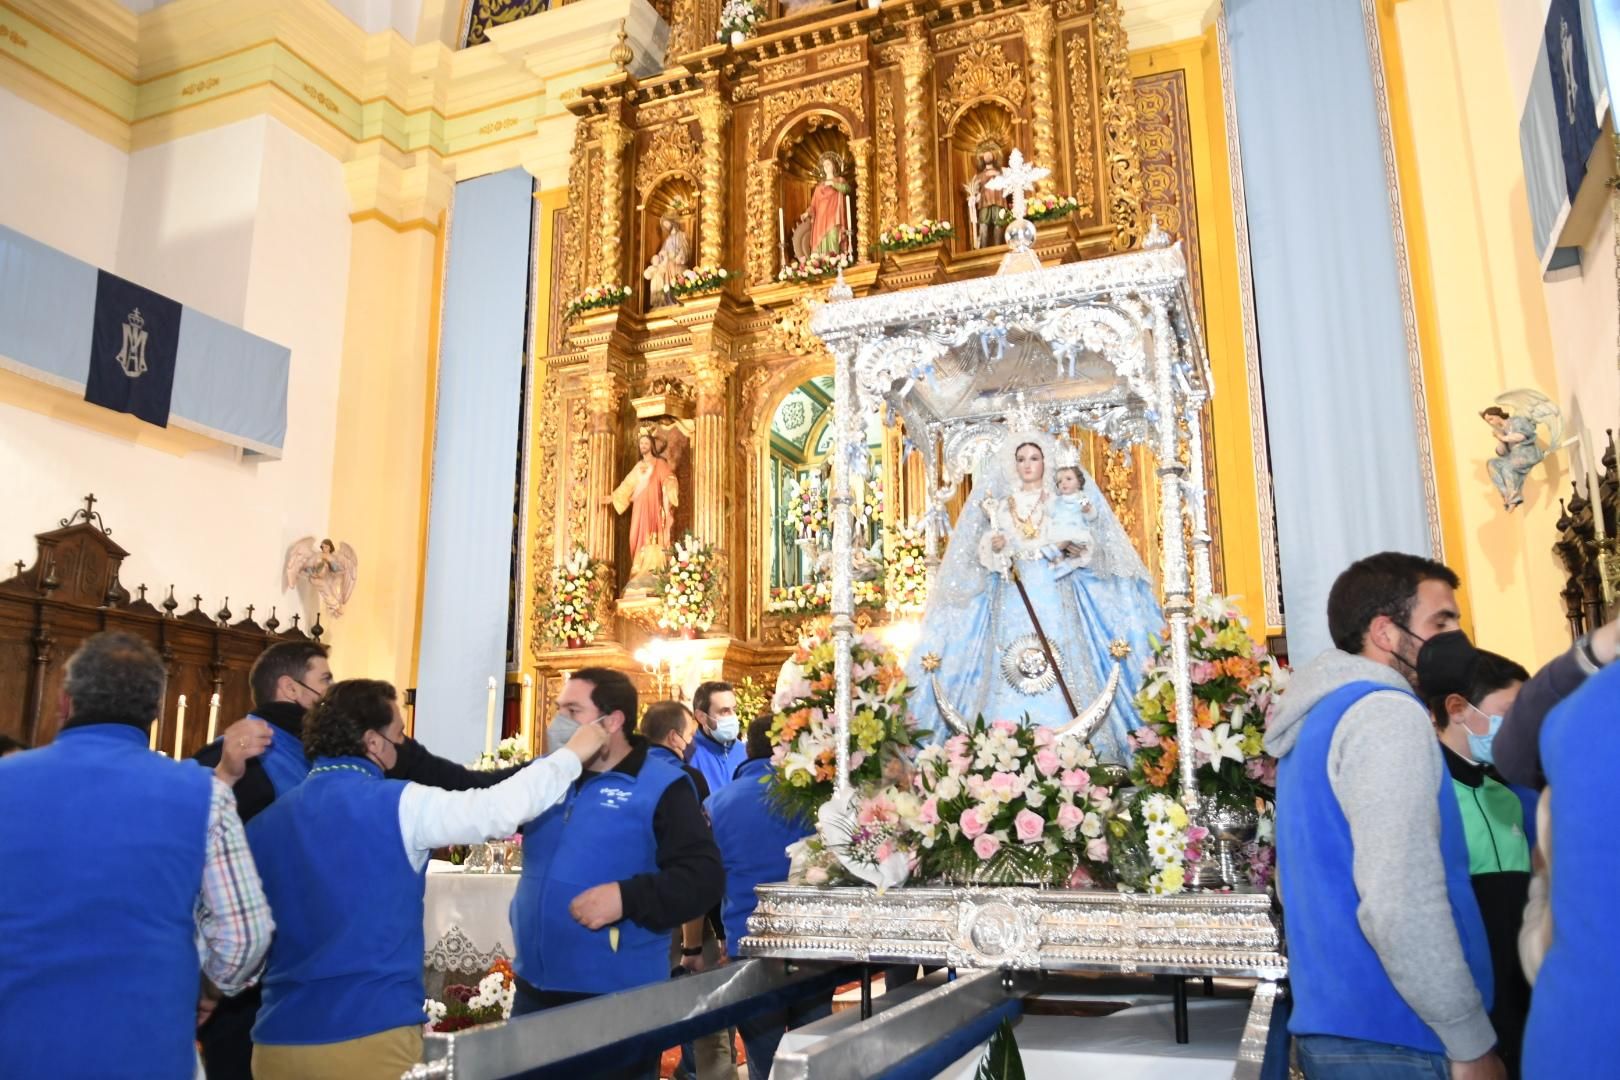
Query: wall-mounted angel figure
point(1513, 420)
point(329, 569)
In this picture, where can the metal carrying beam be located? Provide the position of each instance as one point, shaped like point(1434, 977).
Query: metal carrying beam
point(917, 1038)
point(615, 1030)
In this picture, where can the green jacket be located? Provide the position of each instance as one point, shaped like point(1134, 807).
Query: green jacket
point(1493, 818)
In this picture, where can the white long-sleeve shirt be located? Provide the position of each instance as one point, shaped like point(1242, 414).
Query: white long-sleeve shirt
point(430, 818)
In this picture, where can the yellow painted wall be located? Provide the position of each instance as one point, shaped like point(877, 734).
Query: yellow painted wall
point(1481, 312)
point(1223, 323)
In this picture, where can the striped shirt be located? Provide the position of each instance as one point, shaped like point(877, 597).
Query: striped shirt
point(233, 916)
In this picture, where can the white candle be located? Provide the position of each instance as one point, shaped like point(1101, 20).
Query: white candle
point(781, 230)
point(489, 719)
point(152, 733)
point(849, 225)
point(213, 717)
point(180, 727)
point(526, 714)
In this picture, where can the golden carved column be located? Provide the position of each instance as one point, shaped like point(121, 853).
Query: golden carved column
point(711, 466)
point(763, 240)
point(915, 60)
point(861, 150)
point(1124, 185)
point(1039, 29)
point(604, 390)
point(615, 137)
point(713, 115)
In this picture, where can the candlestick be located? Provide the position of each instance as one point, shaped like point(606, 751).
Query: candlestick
point(213, 717)
point(526, 714)
point(489, 720)
point(180, 727)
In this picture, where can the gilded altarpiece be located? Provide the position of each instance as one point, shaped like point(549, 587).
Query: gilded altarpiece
point(728, 139)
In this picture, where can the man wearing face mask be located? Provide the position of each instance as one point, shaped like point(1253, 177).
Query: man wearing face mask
point(1388, 958)
point(1468, 690)
point(343, 857)
point(609, 872)
point(719, 750)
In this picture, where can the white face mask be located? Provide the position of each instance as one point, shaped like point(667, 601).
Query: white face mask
point(727, 728)
point(560, 730)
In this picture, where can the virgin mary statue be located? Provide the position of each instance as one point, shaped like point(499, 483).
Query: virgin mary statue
point(1036, 542)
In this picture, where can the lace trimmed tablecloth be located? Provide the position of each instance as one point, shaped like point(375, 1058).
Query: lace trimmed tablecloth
point(465, 925)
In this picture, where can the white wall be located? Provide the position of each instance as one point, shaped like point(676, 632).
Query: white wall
point(248, 223)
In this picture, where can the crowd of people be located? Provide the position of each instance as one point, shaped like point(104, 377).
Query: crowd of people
point(266, 909)
point(1433, 927)
point(263, 902)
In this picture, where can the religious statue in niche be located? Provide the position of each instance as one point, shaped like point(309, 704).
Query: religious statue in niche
point(328, 570)
point(668, 263)
point(1513, 420)
point(987, 203)
point(824, 227)
point(651, 492)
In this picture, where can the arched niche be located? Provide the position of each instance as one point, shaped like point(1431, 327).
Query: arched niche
point(675, 196)
point(815, 152)
point(988, 126)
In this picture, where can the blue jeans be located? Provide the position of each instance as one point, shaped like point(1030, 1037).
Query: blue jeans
point(1328, 1057)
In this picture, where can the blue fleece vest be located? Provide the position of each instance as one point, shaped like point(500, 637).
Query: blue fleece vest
point(601, 832)
point(716, 761)
point(1572, 1012)
point(101, 862)
point(347, 957)
point(1339, 986)
point(753, 838)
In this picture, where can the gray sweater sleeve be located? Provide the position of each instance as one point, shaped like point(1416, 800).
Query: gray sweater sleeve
point(1385, 769)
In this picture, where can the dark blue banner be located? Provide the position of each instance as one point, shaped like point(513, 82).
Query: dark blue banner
point(1572, 90)
point(132, 349)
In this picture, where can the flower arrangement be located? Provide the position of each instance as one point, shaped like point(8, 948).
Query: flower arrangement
point(905, 574)
point(597, 296)
point(753, 698)
point(807, 507)
point(701, 279)
point(570, 609)
point(907, 237)
point(814, 268)
point(1151, 844)
point(508, 752)
point(1048, 207)
point(803, 733)
point(1009, 802)
point(871, 504)
point(815, 597)
point(738, 20)
point(466, 1006)
point(1235, 683)
point(687, 586)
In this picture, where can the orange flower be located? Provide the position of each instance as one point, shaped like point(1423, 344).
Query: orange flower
point(1242, 668)
point(1201, 715)
point(1158, 773)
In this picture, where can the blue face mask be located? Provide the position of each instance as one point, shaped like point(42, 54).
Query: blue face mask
point(1479, 746)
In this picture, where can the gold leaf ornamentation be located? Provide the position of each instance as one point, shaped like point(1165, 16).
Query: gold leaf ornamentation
point(843, 93)
point(781, 72)
point(319, 98)
point(498, 125)
point(8, 34)
point(199, 86)
point(888, 154)
point(762, 230)
point(851, 53)
point(1081, 131)
point(670, 151)
point(982, 72)
point(545, 496)
point(954, 37)
point(1119, 127)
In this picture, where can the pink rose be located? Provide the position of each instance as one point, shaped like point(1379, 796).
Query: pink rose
point(1046, 761)
point(986, 846)
point(929, 814)
point(1101, 797)
point(1077, 781)
point(1006, 727)
point(972, 824)
point(1029, 826)
point(1097, 850)
point(1001, 782)
point(1069, 816)
point(884, 850)
point(1079, 879)
point(1202, 671)
point(1145, 736)
point(956, 746)
point(1044, 737)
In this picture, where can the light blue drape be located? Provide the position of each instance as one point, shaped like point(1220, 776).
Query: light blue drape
point(464, 609)
point(1344, 447)
point(1546, 189)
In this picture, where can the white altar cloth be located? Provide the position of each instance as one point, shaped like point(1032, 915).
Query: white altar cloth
point(465, 925)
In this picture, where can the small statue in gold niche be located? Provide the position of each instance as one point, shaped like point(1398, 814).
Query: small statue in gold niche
point(986, 205)
point(668, 263)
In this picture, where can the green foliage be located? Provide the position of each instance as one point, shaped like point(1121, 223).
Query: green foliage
point(1001, 1060)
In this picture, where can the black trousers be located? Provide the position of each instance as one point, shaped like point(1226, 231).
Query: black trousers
point(227, 1038)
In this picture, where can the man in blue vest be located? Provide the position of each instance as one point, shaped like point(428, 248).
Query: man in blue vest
point(344, 858)
point(1387, 954)
point(118, 863)
point(607, 874)
point(719, 750)
point(753, 836)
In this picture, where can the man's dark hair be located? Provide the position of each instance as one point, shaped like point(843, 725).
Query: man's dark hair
point(1474, 673)
point(337, 724)
point(290, 658)
point(1382, 584)
point(662, 718)
point(8, 745)
point(759, 736)
point(611, 691)
point(114, 678)
point(705, 691)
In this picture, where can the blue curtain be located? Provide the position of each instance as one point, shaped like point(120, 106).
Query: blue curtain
point(1344, 448)
point(464, 608)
